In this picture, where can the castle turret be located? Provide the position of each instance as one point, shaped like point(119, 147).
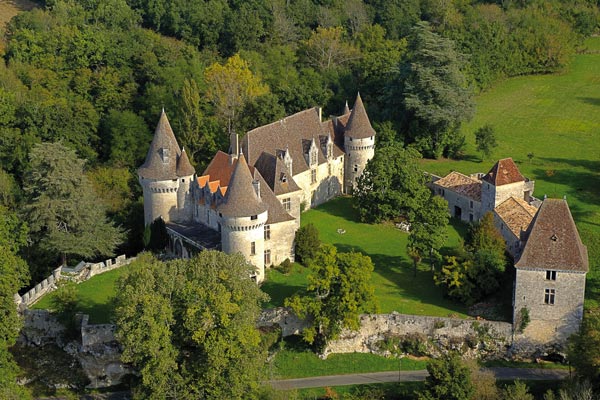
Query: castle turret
point(165, 177)
point(242, 217)
point(359, 144)
point(504, 180)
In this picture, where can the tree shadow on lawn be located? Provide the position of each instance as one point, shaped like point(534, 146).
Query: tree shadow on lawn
point(279, 291)
point(399, 282)
point(590, 100)
point(341, 207)
point(99, 313)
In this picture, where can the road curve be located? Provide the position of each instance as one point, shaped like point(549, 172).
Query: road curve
point(407, 376)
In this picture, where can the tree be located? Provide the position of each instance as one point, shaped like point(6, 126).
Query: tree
point(517, 391)
point(62, 210)
point(327, 49)
point(584, 347)
point(307, 242)
point(231, 86)
point(485, 139)
point(339, 289)
point(126, 137)
point(434, 91)
point(392, 185)
point(449, 379)
point(188, 327)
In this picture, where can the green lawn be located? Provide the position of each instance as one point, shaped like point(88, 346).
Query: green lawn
point(396, 288)
point(94, 296)
point(557, 118)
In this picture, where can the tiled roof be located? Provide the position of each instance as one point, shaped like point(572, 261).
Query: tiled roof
point(241, 199)
point(276, 211)
point(275, 174)
point(184, 167)
point(461, 184)
point(221, 167)
point(359, 126)
point(291, 133)
point(553, 242)
point(154, 167)
point(505, 171)
point(516, 214)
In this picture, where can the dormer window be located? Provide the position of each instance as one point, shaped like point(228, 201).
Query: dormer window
point(164, 154)
point(283, 178)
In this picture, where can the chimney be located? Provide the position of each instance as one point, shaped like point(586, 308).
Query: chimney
point(320, 110)
point(256, 184)
point(234, 145)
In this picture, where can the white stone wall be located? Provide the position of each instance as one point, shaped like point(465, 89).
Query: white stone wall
point(206, 215)
point(185, 199)
point(160, 200)
point(281, 242)
point(456, 200)
point(237, 234)
point(327, 185)
point(492, 196)
point(513, 243)
point(296, 199)
point(550, 322)
point(358, 153)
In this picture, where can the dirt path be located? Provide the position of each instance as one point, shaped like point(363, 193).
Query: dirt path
point(10, 8)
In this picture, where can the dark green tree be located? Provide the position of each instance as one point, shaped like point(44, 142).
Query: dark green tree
point(434, 91)
point(449, 379)
point(307, 242)
point(584, 347)
point(126, 137)
point(485, 139)
point(189, 327)
point(517, 391)
point(62, 210)
point(339, 289)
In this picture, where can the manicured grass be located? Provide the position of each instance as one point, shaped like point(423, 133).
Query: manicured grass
point(95, 296)
point(396, 289)
point(295, 361)
point(557, 118)
point(279, 285)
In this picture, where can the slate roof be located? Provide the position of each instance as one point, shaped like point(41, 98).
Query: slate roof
point(184, 167)
point(553, 242)
point(359, 126)
point(291, 132)
point(516, 214)
point(201, 234)
point(241, 199)
point(276, 211)
point(461, 184)
point(273, 170)
point(154, 167)
point(505, 171)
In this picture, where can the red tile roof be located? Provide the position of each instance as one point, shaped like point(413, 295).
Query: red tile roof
point(505, 171)
point(461, 184)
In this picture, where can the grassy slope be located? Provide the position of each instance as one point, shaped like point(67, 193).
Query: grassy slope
point(557, 118)
point(395, 287)
point(10, 8)
point(95, 296)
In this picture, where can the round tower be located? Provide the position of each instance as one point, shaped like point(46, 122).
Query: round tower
point(359, 144)
point(242, 218)
point(166, 176)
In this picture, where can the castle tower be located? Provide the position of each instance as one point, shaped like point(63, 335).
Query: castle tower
point(166, 176)
point(242, 217)
point(503, 180)
point(359, 144)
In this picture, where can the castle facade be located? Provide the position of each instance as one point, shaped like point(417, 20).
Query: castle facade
point(250, 199)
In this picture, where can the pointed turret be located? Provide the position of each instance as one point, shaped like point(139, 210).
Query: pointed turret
point(346, 109)
point(161, 160)
point(184, 167)
point(241, 199)
point(359, 126)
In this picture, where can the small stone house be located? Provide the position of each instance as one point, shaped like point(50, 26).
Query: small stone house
point(550, 274)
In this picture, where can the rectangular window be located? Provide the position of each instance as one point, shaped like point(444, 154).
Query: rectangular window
point(253, 217)
point(287, 204)
point(267, 232)
point(313, 176)
point(253, 248)
point(267, 257)
point(549, 295)
point(551, 275)
point(471, 203)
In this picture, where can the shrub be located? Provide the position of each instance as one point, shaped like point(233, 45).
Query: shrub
point(307, 243)
point(286, 266)
point(524, 319)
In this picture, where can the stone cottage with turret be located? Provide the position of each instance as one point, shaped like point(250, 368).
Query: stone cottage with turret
point(249, 200)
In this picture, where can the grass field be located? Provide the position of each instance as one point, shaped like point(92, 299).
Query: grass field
point(395, 287)
point(557, 118)
point(10, 8)
point(95, 296)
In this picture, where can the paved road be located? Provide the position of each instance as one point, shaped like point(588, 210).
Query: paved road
point(406, 376)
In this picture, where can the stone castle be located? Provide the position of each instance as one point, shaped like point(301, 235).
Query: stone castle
point(249, 200)
point(551, 262)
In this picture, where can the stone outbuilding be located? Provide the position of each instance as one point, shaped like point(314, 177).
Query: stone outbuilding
point(550, 274)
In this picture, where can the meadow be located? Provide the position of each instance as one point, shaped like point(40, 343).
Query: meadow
point(556, 118)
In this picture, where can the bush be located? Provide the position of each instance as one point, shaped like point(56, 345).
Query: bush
point(307, 243)
point(286, 266)
point(524, 319)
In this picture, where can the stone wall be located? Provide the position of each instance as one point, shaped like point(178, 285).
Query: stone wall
point(281, 242)
point(82, 272)
point(283, 317)
point(487, 337)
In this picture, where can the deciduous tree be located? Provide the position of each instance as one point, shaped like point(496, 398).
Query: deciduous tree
point(449, 379)
point(485, 139)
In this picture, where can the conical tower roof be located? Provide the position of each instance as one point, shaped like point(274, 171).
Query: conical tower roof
point(240, 199)
point(161, 160)
point(359, 126)
point(184, 167)
point(504, 172)
point(346, 108)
